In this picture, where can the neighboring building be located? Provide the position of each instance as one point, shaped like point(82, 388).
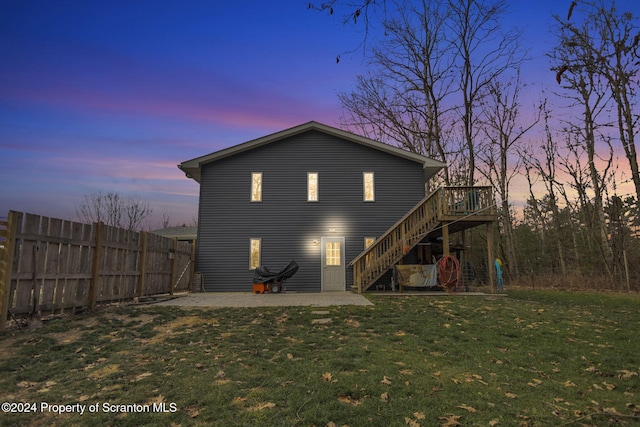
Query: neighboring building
point(312, 193)
point(182, 233)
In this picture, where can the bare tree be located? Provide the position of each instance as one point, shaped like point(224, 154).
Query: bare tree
point(577, 57)
point(166, 219)
point(430, 73)
point(607, 41)
point(546, 169)
point(113, 210)
point(402, 100)
point(571, 164)
point(485, 53)
point(499, 163)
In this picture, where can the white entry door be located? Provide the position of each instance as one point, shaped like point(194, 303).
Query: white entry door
point(333, 268)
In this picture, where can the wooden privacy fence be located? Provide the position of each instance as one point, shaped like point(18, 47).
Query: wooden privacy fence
point(50, 265)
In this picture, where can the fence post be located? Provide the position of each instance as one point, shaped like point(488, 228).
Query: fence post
point(174, 265)
point(95, 267)
point(6, 265)
point(142, 268)
point(192, 270)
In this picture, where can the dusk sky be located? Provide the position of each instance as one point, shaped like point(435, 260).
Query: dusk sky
point(111, 96)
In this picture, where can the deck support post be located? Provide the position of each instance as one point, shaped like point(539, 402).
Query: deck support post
point(445, 239)
point(463, 259)
point(491, 257)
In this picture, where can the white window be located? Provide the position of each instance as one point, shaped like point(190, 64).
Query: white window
point(332, 253)
point(254, 253)
point(368, 187)
point(256, 186)
point(312, 186)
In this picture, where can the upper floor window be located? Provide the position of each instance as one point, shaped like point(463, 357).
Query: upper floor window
point(256, 186)
point(312, 186)
point(368, 187)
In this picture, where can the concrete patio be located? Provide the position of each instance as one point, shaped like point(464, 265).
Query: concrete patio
point(247, 299)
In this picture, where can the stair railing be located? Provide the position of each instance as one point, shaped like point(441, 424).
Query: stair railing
point(444, 204)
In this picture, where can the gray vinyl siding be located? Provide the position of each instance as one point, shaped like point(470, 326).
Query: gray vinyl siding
point(284, 220)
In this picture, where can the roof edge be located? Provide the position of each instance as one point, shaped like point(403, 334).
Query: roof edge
point(192, 167)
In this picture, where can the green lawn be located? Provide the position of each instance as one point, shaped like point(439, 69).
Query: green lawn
point(530, 359)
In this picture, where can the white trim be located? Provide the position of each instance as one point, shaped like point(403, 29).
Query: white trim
point(343, 265)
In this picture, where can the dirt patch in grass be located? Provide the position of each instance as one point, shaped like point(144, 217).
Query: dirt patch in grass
point(68, 337)
point(121, 314)
point(7, 347)
point(104, 371)
point(184, 324)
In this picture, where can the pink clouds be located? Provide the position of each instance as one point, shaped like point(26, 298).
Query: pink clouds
point(244, 108)
point(152, 90)
point(121, 167)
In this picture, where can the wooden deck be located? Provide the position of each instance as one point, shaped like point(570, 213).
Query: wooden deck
point(446, 210)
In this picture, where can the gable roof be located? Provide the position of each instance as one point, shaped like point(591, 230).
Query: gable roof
point(191, 168)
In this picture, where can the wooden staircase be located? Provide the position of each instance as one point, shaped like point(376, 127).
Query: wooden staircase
point(467, 206)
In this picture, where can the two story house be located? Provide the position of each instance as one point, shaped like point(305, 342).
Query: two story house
point(312, 193)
